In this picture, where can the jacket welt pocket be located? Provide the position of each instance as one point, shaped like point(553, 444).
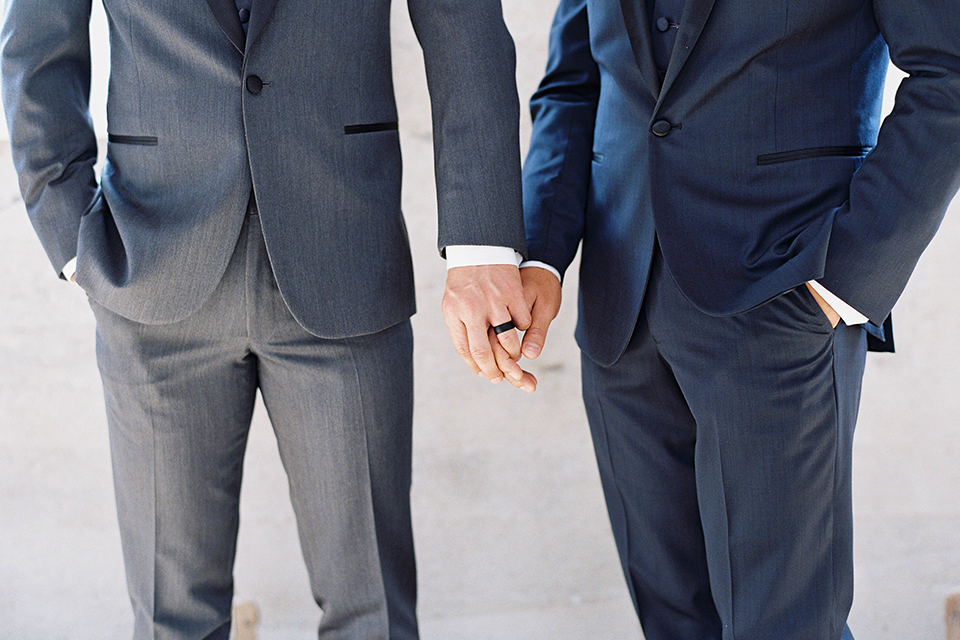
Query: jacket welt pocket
point(352, 129)
point(144, 141)
point(814, 152)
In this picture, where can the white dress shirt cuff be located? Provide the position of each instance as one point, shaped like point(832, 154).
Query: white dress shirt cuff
point(541, 265)
point(848, 314)
point(69, 269)
point(461, 255)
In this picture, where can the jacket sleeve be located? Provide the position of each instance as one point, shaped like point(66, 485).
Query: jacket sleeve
point(899, 195)
point(46, 93)
point(471, 64)
point(556, 174)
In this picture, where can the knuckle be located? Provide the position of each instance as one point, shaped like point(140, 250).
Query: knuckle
point(508, 337)
point(479, 353)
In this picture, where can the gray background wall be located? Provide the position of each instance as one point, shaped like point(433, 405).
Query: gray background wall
point(511, 533)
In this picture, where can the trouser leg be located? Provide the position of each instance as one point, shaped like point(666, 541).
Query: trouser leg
point(645, 438)
point(342, 411)
point(179, 400)
point(342, 415)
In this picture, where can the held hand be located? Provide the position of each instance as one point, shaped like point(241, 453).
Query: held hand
point(476, 299)
point(831, 314)
point(542, 291)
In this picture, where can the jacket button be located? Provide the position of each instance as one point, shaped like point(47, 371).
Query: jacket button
point(661, 128)
point(254, 84)
point(663, 25)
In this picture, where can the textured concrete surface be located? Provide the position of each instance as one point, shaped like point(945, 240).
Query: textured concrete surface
point(511, 533)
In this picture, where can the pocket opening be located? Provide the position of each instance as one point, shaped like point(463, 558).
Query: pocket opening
point(813, 152)
point(144, 141)
point(352, 129)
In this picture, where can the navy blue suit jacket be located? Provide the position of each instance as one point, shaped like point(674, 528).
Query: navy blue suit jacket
point(758, 162)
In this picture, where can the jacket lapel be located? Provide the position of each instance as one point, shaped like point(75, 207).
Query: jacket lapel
point(225, 12)
point(695, 15)
point(638, 29)
point(262, 9)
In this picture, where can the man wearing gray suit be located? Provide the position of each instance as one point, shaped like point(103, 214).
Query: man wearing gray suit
point(246, 234)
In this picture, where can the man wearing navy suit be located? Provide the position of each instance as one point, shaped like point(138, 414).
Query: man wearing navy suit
point(245, 235)
point(745, 224)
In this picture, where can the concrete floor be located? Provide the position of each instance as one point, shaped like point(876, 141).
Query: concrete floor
point(512, 537)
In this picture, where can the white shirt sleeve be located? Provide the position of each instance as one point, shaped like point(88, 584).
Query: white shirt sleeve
point(542, 265)
point(848, 314)
point(69, 269)
point(459, 255)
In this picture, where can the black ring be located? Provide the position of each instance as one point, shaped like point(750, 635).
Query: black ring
point(506, 326)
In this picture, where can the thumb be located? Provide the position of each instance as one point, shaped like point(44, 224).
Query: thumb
point(536, 334)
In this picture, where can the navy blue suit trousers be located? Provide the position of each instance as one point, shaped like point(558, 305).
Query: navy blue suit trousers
point(724, 446)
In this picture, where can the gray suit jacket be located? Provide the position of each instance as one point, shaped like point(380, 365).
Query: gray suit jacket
point(301, 110)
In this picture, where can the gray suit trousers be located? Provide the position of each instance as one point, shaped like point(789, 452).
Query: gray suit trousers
point(179, 403)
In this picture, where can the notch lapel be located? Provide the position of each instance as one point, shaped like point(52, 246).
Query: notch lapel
point(694, 18)
point(225, 11)
point(262, 10)
point(638, 29)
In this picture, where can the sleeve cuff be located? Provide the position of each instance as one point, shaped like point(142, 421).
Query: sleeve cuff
point(69, 269)
point(541, 265)
point(848, 314)
point(459, 255)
